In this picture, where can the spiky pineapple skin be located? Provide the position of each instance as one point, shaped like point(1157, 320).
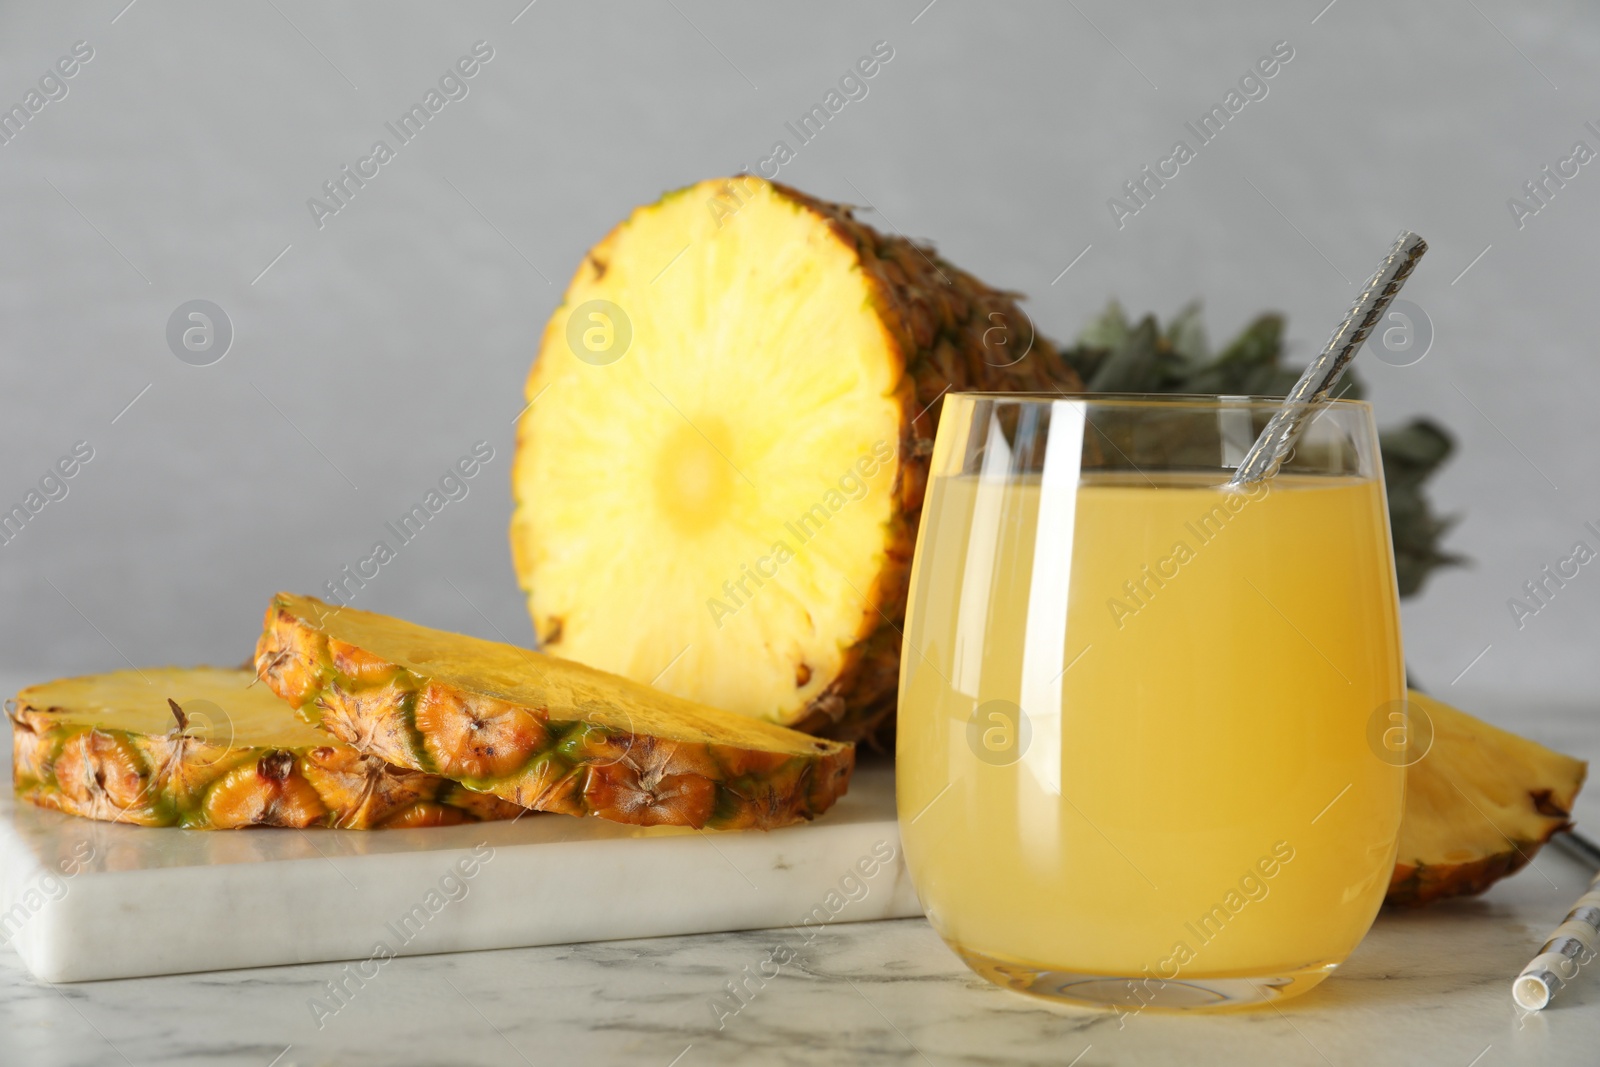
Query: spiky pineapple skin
point(571, 767)
point(173, 780)
point(948, 331)
point(1416, 884)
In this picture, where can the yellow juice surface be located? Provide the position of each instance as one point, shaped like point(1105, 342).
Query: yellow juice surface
point(1198, 670)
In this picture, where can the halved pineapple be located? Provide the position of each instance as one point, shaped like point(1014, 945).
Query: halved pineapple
point(199, 748)
point(542, 732)
point(720, 471)
point(1479, 804)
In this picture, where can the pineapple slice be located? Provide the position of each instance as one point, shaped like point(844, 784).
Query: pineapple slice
point(1479, 804)
point(719, 473)
point(201, 749)
point(541, 732)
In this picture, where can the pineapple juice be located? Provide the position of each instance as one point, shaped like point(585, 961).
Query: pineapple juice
point(1189, 791)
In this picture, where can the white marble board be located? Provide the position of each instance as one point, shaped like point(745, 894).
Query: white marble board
point(84, 900)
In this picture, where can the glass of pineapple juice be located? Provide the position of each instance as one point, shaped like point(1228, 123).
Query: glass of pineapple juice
point(1134, 766)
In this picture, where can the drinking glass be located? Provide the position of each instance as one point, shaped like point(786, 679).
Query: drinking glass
point(1137, 756)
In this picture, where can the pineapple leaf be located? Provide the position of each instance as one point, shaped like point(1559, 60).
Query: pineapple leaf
point(1248, 366)
point(1186, 334)
point(1106, 332)
point(1131, 364)
point(1415, 450)
point(1411, 453)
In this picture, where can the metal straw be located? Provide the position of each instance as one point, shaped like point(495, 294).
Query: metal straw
point(1311, 391)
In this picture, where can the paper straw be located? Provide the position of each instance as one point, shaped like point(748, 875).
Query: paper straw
point(1571, 946)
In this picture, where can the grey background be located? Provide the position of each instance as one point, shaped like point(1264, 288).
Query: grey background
point(376, 350)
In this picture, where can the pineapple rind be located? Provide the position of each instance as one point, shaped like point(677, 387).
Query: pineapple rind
point(1415, 884)
point(679, 764)
point(176, 774)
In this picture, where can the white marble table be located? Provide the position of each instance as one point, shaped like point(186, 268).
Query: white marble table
point(1425, 987)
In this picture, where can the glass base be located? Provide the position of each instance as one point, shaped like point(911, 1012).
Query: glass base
point(1136, 993)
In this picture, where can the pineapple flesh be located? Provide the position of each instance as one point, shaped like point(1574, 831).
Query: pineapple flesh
point(719, 473)
point(540, 732)
point(1479, 804)
point(199, 748)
